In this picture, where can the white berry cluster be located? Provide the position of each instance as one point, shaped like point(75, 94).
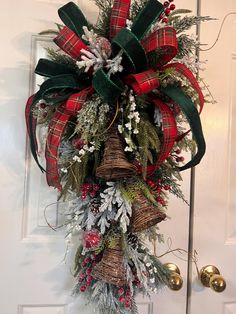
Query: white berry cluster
point(131, 127)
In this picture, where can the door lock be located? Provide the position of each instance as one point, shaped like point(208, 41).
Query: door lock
point(211, 278)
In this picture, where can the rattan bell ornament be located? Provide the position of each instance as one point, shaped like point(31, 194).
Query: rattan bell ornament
point(111, 268)
point(145, 215)
point(114, 164)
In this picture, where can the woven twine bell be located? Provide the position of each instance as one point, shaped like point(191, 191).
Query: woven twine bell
point(145, 215)
point(114, 164)
point(111, 268)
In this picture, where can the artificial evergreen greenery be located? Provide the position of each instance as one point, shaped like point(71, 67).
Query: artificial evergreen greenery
point(120, 129)
point(148, 142)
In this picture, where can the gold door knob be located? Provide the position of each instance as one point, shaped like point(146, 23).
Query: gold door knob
point(210, 277)
point(175, 281)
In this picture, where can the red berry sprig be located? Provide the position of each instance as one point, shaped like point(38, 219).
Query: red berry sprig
point(85, 278)
point(157, 189)
point(125, 297)
point(169, 6)
point(89, 189)
point(176, 156)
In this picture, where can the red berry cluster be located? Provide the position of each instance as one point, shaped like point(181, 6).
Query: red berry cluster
point(92, 239)
point(85, 277)
point(77, 143)
point(157, 188)
point(89, 189)
point(125, 297)
point(44, 110)
point(176, 156)
point(168, 8)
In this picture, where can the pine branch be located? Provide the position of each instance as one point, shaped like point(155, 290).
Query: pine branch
point(186, 46)
point(78, 266)
point(148, 143)
point(176, 14)
point(102, 26)
point(61, 58)
point(187, 22)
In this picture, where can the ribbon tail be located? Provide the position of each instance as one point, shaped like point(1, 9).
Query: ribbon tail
point(31, 124)
point(170, 133)
point(190, 111)
point(55, 131)
point(183, 70)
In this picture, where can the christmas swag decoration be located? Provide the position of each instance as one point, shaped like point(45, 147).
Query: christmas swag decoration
point(115, 101)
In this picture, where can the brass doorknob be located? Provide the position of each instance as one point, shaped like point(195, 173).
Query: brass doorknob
point(210, 277)
point(175, 281)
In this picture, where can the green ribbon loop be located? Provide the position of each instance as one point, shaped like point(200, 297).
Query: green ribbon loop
point(190, 111)
point(135, 60)
point(67, 83)
point(109, 89)
point(73, 18)
point(57, 83)
point(50, 68)
point(146, 18)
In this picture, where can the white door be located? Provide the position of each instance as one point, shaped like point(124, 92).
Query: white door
point(34, 278)
point(214, 234)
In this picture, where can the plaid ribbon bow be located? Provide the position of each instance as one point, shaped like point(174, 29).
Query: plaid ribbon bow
point(74, 89)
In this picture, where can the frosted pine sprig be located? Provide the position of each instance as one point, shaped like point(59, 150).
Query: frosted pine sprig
point(98, 56)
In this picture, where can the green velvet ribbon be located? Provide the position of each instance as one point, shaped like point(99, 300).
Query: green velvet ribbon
point(191, 113)
point(32, 142)
point(73, 18)
point(109, 89)
point(50, 68)
point(134, 55)
point(146, 18)
point(58, 83)
point(68, 83)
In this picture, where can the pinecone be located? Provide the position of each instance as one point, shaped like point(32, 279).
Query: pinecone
point(132, 240)
point(94, 205)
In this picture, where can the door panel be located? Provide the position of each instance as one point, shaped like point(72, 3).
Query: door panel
point(214, 221)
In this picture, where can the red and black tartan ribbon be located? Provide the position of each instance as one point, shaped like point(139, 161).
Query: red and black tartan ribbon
point(34, 121)
point(55, 131)
point(184, 71)
point(76, 101)
point(119, 15)
point(142, 83)
point(163, 39)
point(170, 133)
point(70, 43)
